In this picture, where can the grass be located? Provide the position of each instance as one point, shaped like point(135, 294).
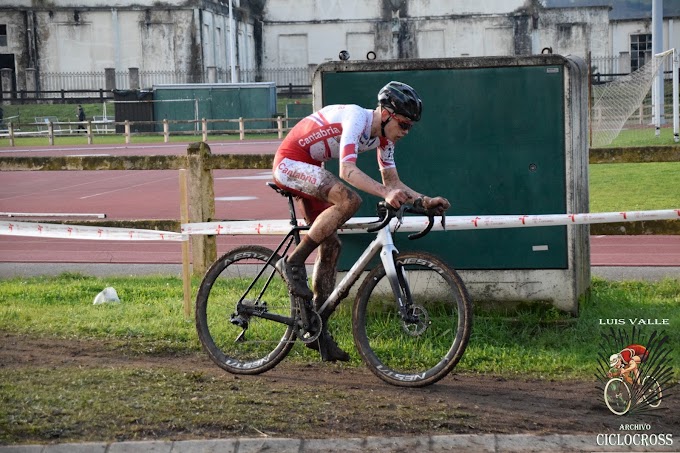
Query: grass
point(532, 342)
point(643, 137)
point(138, 404)
point(134, 401)
point(630, 187)
point(547, 344)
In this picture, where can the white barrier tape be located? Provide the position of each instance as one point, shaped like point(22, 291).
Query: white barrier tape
point(354, 225)
point(50, 230)
point(417, 223)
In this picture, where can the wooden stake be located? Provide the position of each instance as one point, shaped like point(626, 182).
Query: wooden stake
point(184, 218)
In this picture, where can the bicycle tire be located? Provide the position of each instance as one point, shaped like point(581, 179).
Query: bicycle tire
point(390, 351)
point(651, 392)
point(265, 342)
point(617, 396)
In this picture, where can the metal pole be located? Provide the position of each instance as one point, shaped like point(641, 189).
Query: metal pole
point(676, 101)
point(657, 48)
point(232, 44)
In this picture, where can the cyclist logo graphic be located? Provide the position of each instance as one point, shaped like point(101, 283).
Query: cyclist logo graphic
point(634, 371)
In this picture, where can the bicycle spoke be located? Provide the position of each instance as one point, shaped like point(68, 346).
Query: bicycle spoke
point(423, 346)
point(237, 341)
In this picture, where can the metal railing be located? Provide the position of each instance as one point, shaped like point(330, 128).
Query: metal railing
point(51, 128)
point(57, 81)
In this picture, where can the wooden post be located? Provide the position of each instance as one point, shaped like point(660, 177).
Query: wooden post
point(89, 132)
point(50, 132)
point(166, 131)
point(11, 133)
point(279, 124)
point(204, 129)
point(201, 205)
point(127, 131)
point(242, 128)
point(184, 218)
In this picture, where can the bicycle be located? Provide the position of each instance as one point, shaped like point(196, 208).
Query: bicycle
point(619, 394)
point(411, 319)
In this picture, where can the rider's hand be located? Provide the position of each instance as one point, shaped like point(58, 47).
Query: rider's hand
point(438, 204)
point(396, 197)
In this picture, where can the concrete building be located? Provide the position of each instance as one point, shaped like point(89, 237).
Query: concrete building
point(193, 37)
point(67, 36)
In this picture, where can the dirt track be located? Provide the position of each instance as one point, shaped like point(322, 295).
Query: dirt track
point(480, 404)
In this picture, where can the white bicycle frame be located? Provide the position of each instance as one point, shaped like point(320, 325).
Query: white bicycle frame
point(383, 243)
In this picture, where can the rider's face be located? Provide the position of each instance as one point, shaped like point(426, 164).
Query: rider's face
point(397, 127)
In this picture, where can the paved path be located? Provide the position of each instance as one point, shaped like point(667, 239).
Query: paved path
point(467, 443)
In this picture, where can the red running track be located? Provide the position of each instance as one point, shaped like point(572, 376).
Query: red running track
point(240, 194)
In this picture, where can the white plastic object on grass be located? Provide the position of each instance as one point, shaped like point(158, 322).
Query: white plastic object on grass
point(106, 296)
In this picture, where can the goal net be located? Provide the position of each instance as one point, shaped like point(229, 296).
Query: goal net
point(615, 102)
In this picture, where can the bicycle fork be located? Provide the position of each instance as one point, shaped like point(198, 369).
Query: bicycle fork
point(384, 245)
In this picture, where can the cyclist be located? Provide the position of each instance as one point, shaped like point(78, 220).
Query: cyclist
point(342, 132)
point(627, 362)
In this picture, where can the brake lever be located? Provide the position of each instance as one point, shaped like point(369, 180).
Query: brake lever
point(399, 215)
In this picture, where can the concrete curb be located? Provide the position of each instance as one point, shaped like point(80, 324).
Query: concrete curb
point(444, 443)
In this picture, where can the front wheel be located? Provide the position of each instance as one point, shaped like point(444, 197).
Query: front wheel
point(238, 342)
point(617, 396)
point(418, 346)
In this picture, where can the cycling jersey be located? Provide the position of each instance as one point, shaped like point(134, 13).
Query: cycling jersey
point(634, 350)
point(335, 132)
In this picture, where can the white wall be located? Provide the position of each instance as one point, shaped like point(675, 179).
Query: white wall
point(335, 10)
point(575, 31)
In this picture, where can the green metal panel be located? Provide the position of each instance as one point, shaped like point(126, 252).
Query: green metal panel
point(217, 101)
point(297, 111)
point(492, 141)
point(174, 109)
point(226, 104)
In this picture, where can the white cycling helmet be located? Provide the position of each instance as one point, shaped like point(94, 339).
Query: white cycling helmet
point(614, 359)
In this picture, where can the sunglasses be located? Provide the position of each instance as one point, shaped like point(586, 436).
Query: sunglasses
point(404, 125)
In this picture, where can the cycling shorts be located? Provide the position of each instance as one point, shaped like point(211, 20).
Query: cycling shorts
point(310, 182)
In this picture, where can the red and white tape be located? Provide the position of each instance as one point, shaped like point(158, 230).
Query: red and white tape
point(51, 230)
point(354, 225)
point(417, 223)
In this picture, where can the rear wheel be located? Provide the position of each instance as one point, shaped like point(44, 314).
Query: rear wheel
point(420, 347)
point(236, 342)
point(651, 391)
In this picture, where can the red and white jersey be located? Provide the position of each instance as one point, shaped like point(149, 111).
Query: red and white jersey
point(336, 132)
point(634, 350)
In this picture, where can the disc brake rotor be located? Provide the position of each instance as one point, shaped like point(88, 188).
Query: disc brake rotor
point(418, 321)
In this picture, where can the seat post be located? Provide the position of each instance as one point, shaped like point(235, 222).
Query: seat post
point(291, 209)
point(291, 204)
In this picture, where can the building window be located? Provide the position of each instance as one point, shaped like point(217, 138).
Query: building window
point(3, 35)
point(640, 50)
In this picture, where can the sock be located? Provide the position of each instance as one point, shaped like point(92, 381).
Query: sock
point(302, 251)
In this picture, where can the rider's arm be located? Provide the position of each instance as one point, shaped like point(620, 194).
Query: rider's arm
point(391, 180)
point(357, 178)
point(353, 175)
